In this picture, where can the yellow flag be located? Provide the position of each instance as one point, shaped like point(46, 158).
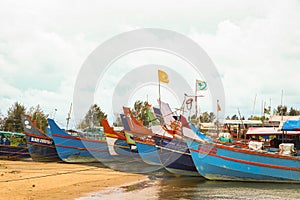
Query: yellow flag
point(163, 76)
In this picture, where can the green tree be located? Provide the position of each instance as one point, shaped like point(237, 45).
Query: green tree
point(139, 111)
point(207, 117)
point(234, 117)
point(2, 122)
point(39, 117)
point(93, 117)
point(262, 118)
point(13, 121)
point(294, 112)
point(281, 110)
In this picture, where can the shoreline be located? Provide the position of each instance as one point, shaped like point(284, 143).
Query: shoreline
point(133, 190)
point(51, 180)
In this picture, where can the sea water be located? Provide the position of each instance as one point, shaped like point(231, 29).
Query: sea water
point(181, 188)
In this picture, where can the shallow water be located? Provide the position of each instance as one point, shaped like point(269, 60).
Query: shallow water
point(170, 187)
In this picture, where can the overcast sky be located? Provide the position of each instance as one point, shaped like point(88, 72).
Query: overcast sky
point(255, 46)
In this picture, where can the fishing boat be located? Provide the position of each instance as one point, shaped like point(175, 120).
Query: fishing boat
point(40, 146)
point(77, 149)
point(123, 151)
point(13, 145)
point(173, 151)
point(143, 137)
point(119, 143)
point(216, 160)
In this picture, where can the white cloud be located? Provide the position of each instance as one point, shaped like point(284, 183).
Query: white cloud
point(254, 44)
point(257, 55)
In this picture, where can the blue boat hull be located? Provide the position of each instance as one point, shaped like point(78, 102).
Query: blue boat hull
point(124, 149)
point(126, 158)
point(175, 156)
point(119, 148)
point(148, 153)
point(76, 150)
point(221, 162)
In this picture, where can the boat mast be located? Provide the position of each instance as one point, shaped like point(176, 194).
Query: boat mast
point(242, 124)
point(281, 112)
point(69, 116)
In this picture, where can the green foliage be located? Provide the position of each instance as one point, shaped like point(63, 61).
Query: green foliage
point(262, 118)
point(281, 110)
point(294, 112)
point(2, 122)
point(39, 117)
point(234, 117)
point(13, 121)
point(93, 117)
point(207, 117)
point(139, 111)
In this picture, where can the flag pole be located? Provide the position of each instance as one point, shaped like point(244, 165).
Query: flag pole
point(254, 105)
point(162, 77)
point(159, 94)
point(217, 116)
point(196, 104)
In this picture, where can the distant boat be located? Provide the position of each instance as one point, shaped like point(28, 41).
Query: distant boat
point(41, 147)
point(77, 149)
point(233, 162)
point(13, 145)
point(143, 137)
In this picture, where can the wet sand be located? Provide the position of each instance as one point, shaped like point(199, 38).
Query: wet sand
point(38, 180)
point(142, 190)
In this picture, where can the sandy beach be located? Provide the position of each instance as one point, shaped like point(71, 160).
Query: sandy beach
point(37, 180)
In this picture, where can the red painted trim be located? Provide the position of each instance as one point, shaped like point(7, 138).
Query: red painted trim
point(17, 152)
point(81, 149)
point(258, 164)
point(18, 147)
point(149, 141)
point(165, 137)
point(242, 149)
point(264, 154)
point(39, 136)
point(77, 138)
point(250, 162)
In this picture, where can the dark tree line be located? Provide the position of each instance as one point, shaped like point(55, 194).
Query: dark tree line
point(283, 110)
point(12, 122)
